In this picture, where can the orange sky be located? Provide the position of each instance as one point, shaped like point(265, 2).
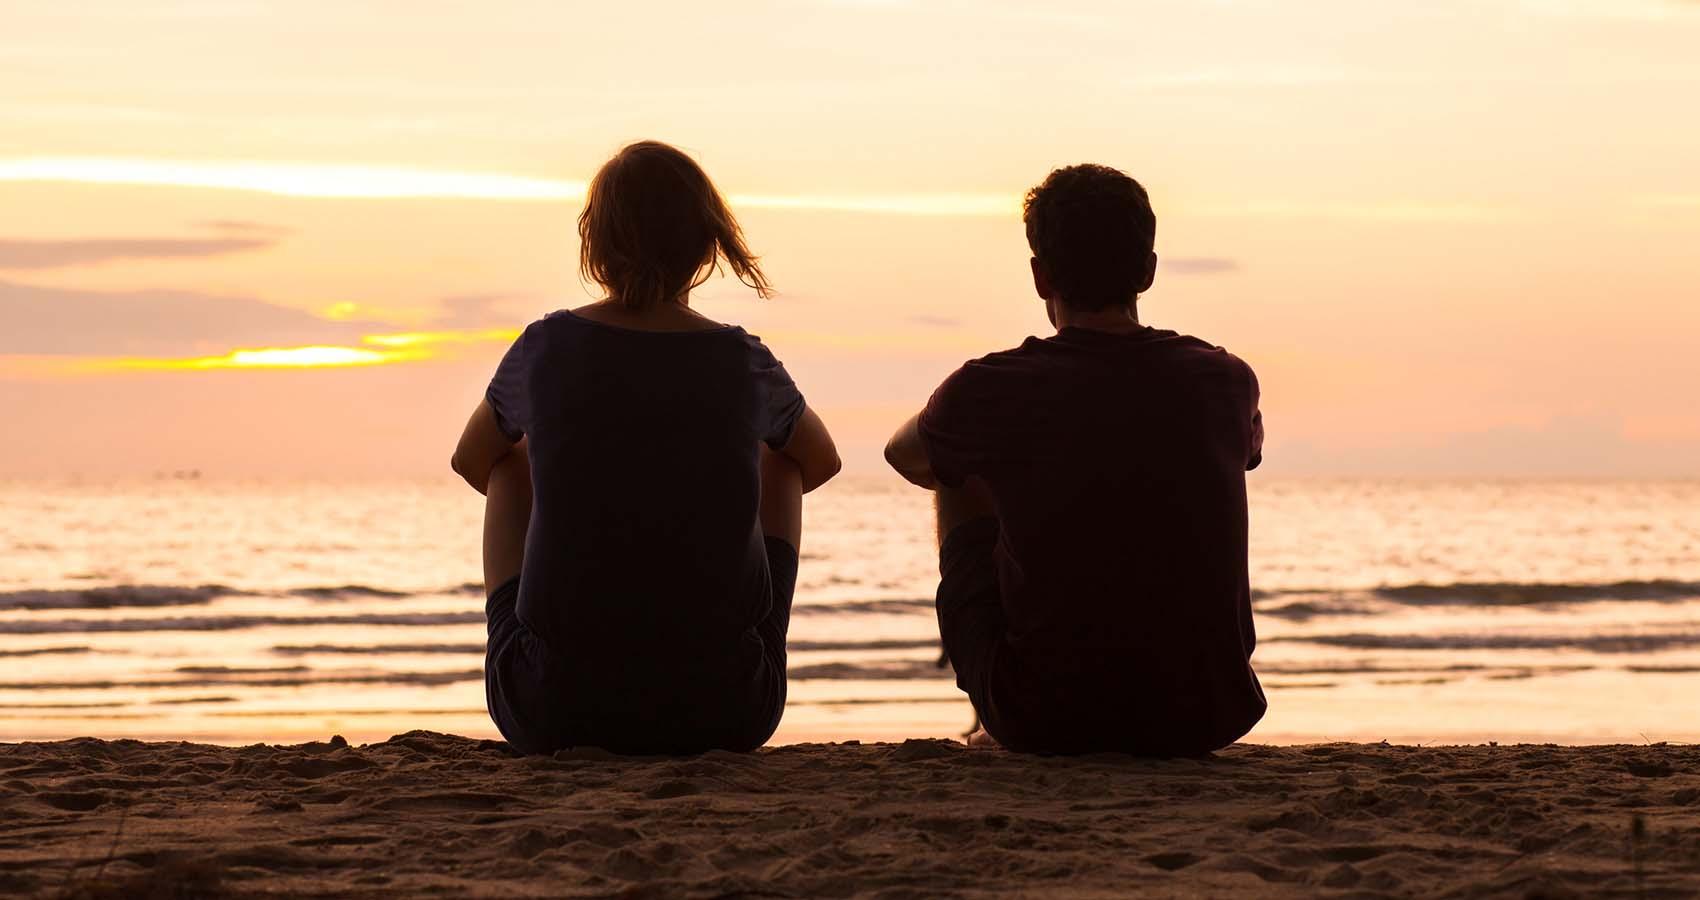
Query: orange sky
point(1455, 238)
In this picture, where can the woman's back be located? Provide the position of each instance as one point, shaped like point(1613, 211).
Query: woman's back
point(643, 447)
point(644, 469)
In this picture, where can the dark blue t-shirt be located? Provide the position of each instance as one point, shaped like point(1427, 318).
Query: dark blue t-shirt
point(645, 481)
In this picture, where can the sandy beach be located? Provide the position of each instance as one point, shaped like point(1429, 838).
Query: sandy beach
point(426, 813)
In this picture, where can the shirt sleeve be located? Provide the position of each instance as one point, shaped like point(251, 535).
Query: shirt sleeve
point(952, 429)
point(781, 403)
point(508, 395)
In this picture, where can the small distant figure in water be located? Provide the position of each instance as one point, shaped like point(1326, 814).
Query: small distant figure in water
point(1091, 503)
point(644, 468)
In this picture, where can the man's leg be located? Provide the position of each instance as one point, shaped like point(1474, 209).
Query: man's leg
point(970, 608)
point(960, 505)
point(507, 515)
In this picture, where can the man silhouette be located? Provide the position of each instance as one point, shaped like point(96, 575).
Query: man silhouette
point(1092, 505)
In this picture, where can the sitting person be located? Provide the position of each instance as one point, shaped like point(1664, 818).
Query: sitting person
point(1092, 503)
point(644, 468)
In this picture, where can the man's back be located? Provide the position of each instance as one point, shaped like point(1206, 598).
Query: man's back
point(1116, 464)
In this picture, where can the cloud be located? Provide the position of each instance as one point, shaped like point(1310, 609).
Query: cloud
point(1624, 10)
point(967, 205)
point(244, 228)
point(50, 254)
point(389, 182)
point(1389, 212)
point(1672, 201)
point(1197, 265)
point(55, 331)
point(477, 311)
point(932, 321)
point(291, 179)
point(57, 321)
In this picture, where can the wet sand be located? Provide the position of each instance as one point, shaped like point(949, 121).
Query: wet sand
point(426, 813)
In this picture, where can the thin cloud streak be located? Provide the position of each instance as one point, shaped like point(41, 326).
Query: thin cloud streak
point(384, 182)
point(1678, 201)
point(291, 179)
point(46, 320)
point(965, 205)
point(1371, 212)
point(1197, 265)
point(244, 228)
point(51, 254)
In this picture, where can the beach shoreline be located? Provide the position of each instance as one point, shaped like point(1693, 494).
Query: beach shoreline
point(432, 813)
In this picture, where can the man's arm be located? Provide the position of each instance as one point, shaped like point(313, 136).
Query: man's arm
point(908, 455)
point(482, 446)
point(1256, 456)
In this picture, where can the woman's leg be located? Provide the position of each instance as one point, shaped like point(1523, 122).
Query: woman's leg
point(781, 498)
point(781, 514)
point(507, 515)
point(515, 664)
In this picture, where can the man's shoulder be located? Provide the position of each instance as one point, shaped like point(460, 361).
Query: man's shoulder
point(1206, 353)
point(991, 364)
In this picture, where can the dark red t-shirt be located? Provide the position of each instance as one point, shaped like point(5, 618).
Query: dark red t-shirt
point(1117, 463)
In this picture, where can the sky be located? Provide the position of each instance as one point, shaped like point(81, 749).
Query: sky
point(276, 239)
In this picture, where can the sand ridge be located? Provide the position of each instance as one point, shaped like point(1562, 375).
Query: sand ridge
point(426, 813)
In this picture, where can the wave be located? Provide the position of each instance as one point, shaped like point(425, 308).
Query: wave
point(1311, 603)
point(230, 623)
point(44, 651)
point(119, 596)
point(142, 596)
point(301, 676)
point(1298, 605)
point(1602, 643)
point(301, 679)
point(881, 670)
point(478, 648)
point(362, 592)
point(1288, 603)
point(1492, 593)
point(889, 644)
point(363, 649)
point(889, 605)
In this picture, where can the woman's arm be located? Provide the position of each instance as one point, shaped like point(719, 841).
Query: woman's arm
point(812, 449)
point(482, 446)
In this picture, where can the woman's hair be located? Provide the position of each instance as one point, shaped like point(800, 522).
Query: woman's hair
point(654, 227)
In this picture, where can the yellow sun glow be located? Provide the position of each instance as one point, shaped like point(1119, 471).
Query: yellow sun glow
point(428, 338)
point(265, 358)
point(373, 350)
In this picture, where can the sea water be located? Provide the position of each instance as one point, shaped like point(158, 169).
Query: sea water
point(1412, 611)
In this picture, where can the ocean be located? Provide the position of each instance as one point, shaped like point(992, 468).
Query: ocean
point(1420, 611)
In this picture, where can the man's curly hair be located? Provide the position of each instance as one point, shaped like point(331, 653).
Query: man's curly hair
point(1092, 229)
